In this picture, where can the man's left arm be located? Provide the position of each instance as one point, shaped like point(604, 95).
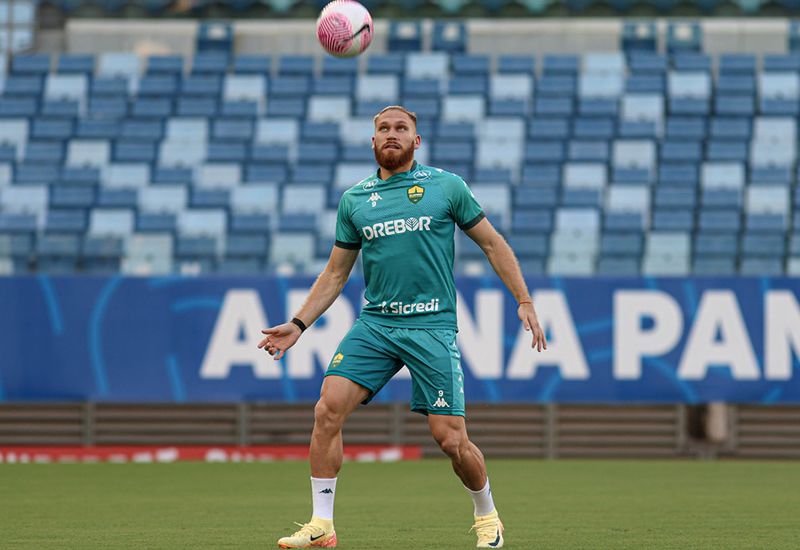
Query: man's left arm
point(505, 264)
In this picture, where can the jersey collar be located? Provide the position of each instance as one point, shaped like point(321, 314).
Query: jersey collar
point(397, 175)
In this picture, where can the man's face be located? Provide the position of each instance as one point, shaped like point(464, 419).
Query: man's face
point(395, 139)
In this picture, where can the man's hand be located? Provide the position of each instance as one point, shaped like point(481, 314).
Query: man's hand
point(527, 314)
point(279, 339)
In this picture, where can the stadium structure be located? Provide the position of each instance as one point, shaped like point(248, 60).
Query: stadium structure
point(170, 172)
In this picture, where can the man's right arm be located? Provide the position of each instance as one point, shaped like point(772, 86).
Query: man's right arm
point(328, 285)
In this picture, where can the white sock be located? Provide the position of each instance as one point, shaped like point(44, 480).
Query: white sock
point(323, 490)
point(484, 504)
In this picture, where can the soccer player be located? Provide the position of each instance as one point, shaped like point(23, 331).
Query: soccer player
point(403, 219)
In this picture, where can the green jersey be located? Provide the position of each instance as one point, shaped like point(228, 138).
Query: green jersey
point(404, 226)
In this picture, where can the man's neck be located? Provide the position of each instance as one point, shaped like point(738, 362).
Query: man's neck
point(386, 174)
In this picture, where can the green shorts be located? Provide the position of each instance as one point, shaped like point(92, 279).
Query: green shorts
point(370, 354)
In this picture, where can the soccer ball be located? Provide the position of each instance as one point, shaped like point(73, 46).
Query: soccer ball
point(344, 28)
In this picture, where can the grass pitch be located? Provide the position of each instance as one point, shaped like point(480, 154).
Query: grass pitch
point(559, 504)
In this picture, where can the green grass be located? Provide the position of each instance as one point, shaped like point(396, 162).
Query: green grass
point(560, 504)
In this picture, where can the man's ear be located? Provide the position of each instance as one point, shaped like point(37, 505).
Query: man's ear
point(417, 141)
point(373, 142)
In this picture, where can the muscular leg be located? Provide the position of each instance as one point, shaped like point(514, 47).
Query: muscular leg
point(338, 398)
point(450, 432)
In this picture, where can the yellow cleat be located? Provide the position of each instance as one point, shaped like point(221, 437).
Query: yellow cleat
point(489, 530)
point(317, 533)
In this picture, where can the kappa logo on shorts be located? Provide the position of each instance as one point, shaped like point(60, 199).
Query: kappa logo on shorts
point(336, 360)
point(441, 403)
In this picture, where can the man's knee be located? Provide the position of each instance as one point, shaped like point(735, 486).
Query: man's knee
point(452, 442)
point(329, 416)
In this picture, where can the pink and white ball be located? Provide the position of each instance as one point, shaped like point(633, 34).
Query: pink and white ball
point(344, 28)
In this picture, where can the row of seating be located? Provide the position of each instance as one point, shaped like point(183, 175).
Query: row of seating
point(416, 8)
point(610, 253)
point(418, 65)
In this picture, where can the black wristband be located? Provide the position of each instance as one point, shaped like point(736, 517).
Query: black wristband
point(300, 324)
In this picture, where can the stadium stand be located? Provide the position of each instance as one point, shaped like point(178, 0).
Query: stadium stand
point(665, 152)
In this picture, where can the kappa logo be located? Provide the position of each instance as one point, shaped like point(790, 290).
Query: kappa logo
point(421, 175)
point(415, 193)
point(374, 198)
point(441, 402)
point(336, 360)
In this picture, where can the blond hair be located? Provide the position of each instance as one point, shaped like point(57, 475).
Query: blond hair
point(412, 115)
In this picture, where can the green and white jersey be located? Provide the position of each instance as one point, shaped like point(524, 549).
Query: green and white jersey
point(404, 226)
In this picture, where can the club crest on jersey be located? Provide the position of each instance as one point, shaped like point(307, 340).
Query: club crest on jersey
point(415, 193)
point(336, 360)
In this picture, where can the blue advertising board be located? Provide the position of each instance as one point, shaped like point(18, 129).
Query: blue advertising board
point(182, 339)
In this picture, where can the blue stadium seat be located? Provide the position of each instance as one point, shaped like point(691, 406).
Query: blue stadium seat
point(737, 64)
point(543, 174)
point(332, 85)
point(405, 36)
point(421, 88)
point(210, 63)
point(171, 65)
point(232, 129)
point(720, 220)
point(66, 221)
point(342, 67)
point(544, 151)
point(30, 64)
point(252, 64)
point(18, 107)
point(691, 61)
point(557, 85)
point(202, 85)
point(51, 129)
point(227, 151)
point(80, 175)
point(296, 65)
point(588, 150)
point(621, 244)
point(645, 83)
point(23, 86)
point(60, 108)
point(649, 63)
point(514, 63)
point(685, 106)
point(689, 128)
point(734, 105)
point(717, 150)
point(391, 63)
point(143, 130)
point(449, 36)
point(280, 107)
point(675, 197)
point(730, 128)
point(560, 64)
point(532, 221)
point(681, 151)
point(471, 64)
point(714, 266)
point(152, 108)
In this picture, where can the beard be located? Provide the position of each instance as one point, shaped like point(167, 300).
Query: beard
point(391, 159)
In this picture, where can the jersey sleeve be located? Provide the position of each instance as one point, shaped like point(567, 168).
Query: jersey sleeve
point(346, 233)
point(463, 206)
